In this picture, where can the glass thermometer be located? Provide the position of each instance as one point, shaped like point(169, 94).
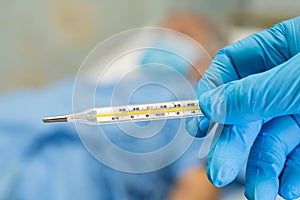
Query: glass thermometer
point(132, 113)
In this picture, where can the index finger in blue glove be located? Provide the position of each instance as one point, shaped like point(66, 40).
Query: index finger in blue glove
point(267, 157)
point(273, 93)
point(266, 49)
point(254, 54)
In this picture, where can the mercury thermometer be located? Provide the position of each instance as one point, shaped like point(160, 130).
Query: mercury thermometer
point(132, 113)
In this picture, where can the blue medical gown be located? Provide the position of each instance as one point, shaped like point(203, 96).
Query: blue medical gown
point(49, 161)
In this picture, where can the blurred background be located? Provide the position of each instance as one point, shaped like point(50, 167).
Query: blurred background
point(44, 41)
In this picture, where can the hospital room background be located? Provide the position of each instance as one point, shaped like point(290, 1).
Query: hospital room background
point(43, 44)
point(43, 41)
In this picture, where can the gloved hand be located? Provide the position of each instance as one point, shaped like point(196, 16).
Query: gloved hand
point(248, 84)
point(274, 160)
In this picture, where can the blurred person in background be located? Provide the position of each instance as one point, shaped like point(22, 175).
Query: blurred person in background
point(49, 162)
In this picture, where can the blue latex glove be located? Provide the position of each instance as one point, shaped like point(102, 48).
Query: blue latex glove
point(274, 161)
point(255, 79)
